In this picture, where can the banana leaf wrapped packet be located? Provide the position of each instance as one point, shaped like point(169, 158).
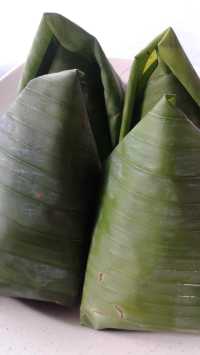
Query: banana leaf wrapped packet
point(143, 270)
point(50, 162)
point(62, 45)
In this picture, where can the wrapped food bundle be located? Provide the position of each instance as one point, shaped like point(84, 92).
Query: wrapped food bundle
point(64, 123)
point(61, 45)
point(67, 152)
point(143, 270)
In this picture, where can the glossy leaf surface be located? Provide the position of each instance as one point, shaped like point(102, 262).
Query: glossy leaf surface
point(49, 172)
point(60, 45)
point(143, 269)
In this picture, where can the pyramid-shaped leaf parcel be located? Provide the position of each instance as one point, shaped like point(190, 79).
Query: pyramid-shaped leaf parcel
point(49, 171)
point(143, 269)
point(61, 45)
point(161, 68)
point(64, 122)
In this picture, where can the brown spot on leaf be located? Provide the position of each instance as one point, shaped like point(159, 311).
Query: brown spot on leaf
point(119, 311)
point(98, 312)
point(100, 276)
point(39, 195)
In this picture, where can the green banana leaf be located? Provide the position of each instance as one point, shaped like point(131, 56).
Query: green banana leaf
point(49, 173)
point(161, 68)
point(143, 270)
point(60, 45)
point(64, 122)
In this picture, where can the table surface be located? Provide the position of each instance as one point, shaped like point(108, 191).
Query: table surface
point(34, 328)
